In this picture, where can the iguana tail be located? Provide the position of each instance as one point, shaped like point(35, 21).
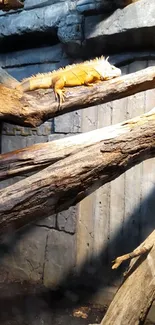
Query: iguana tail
point(36, 82)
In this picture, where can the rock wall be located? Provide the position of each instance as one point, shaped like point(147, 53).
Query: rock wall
point(81, 31)
point(70, 253)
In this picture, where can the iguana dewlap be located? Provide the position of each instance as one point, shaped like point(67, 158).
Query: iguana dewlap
point(86, 73)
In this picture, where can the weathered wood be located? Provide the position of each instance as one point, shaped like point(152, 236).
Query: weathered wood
point(68, 181)
point(35, 107)
point(137, 252)
point(132, 301)
point(7, 80)
point(41, 155)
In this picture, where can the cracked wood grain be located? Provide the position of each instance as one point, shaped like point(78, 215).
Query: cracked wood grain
point(74, 176)
point(41, 155)
point(35, 107)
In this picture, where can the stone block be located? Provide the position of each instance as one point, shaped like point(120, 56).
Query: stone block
point(11, 130)
point(25, 260)
point(60, 257)
point(70, 33)
point(49, 222)
point(66, 220)
point(68, 123)
point(32, 21)
point(57, 136)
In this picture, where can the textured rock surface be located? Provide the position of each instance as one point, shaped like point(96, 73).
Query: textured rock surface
point(66, 220)
point(96, 6)
point(70, 33)
point(81, 36)
point(110, 34)
point(60, 257)
point(26, 257)
point(32, 21)
point(88, 6)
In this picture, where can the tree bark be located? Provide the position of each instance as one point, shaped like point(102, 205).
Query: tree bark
point(35, 107)
point(41, 155)
point(69, 180)
point(133, 299)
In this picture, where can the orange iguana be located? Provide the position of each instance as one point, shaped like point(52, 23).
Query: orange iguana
point(85, 73)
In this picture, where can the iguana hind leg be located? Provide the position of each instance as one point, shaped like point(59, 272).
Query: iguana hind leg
point(58, 86)
point(60, 95)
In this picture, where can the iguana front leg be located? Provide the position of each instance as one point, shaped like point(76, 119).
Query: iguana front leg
point(91, 79)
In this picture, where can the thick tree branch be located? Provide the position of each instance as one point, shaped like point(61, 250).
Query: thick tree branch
point(69, 180)
point(41, 155)
point(132, 301)
point(35, 107)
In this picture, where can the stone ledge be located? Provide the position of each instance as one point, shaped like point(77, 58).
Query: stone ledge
point(50, 54)
point(34, 4)
point(125, 29)
point(32, 21)
point(95, 6)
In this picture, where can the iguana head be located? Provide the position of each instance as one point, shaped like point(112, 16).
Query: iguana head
point(107, 70)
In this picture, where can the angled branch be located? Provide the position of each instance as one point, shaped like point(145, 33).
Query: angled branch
point(68, 181)
point(33, 108)
point(133, 299)
point(137, 252)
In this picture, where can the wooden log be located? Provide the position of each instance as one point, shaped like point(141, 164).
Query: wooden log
point(41, 155)
point(35, 107)
point(69, 180)
point(133, 299)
